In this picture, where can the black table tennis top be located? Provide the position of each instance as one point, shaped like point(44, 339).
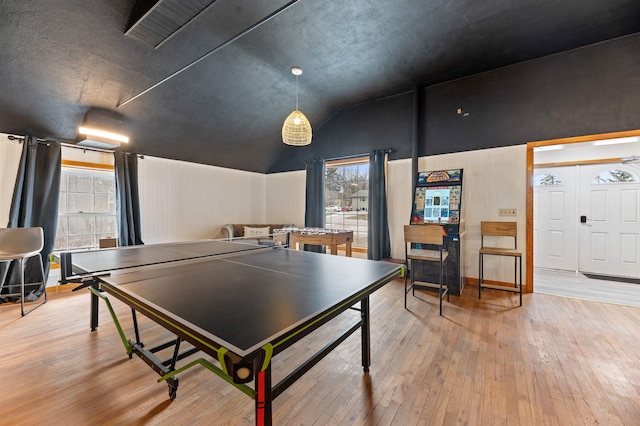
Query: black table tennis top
point(105, 260)
point(246, 299)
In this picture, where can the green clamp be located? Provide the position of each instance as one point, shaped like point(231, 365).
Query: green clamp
point(125, 341)
point(268, 353)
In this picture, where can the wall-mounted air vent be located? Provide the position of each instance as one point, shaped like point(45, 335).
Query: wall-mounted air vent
point(155, 21)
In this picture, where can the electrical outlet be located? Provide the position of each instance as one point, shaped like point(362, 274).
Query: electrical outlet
point(507, 212)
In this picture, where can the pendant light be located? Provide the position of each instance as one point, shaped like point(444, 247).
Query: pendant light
point(296, 129)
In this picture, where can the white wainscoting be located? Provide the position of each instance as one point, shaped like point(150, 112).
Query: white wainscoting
point(493, 179)
point(285, 200)
point(10, 152)
point(399, 203)
point(185, 201)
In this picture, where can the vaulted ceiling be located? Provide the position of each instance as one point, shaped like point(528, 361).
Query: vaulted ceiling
point(209, 81)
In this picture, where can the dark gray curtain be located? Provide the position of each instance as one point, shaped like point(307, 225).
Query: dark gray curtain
point(314, 201)
point(379, 244)
point(35, 203)
point(127, 199)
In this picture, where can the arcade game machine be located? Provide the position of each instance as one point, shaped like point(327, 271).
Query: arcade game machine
point(437, 201)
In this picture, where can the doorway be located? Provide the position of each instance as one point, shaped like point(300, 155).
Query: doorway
point(586, 218)
point(593, 178)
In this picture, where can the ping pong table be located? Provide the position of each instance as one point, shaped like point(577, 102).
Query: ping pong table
point(239, 304)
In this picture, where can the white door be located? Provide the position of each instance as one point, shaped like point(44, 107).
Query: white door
point(555, 218)
point(609, 230)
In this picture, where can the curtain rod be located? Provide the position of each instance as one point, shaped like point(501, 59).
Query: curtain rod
point(21, 139)
point(348, 157)
point(85, 148)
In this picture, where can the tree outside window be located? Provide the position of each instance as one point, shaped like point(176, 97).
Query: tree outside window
point(87, 208)
point(346, 198)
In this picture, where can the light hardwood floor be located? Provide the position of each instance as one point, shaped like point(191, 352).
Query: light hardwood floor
point(553, 361)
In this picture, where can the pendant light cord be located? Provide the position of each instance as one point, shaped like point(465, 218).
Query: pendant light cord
point(296, 93)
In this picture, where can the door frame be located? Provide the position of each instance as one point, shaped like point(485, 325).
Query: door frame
point(529, 184)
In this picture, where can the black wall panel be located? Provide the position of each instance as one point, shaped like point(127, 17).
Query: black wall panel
point(585, 91)
point(590, 90)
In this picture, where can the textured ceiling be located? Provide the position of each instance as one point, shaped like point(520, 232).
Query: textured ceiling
point(62, 57)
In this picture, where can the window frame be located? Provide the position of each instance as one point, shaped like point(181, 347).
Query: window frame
point(87, 166)
point(344, 162)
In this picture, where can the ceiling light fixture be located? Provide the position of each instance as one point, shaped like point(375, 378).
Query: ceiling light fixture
point(296, 129)
point(101, 129)
point(103, 134)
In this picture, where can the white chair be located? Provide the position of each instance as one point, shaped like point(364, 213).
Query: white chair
point(20, 244)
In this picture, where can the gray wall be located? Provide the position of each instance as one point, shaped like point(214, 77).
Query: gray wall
point(590, 90)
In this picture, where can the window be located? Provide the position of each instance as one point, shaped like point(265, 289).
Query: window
point(87, 208)
point(615, 176)
point(346, 197)
point(547, 180)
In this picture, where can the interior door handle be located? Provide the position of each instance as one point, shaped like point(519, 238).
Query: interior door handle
point(583, 219)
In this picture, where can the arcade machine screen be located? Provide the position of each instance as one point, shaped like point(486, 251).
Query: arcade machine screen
point(437, 198)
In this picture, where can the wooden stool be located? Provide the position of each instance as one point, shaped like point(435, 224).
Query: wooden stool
point(500, 229)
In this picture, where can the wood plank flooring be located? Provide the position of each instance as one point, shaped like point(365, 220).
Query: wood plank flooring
point(553, 361)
